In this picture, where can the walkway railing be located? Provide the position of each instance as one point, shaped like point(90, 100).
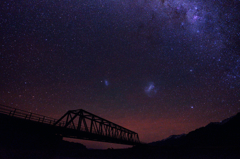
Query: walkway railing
point(14, 112)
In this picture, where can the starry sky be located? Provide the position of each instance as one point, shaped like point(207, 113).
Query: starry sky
point(157, 67)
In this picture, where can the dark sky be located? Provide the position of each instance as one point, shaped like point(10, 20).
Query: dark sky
point(157, 67)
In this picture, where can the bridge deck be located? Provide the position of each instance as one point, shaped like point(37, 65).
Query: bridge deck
point(77, 124)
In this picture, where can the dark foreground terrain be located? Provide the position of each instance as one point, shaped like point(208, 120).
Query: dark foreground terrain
point(134, 153)
point(214, 141)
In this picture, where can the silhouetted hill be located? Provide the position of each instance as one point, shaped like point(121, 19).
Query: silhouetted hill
point(170, 140)
point(217, 134)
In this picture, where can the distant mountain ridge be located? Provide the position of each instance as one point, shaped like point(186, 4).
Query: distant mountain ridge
point(215, 134)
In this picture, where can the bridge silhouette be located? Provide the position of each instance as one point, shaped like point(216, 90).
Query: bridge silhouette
point(78, 124)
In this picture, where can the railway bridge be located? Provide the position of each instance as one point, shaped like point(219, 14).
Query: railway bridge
point(78, 124)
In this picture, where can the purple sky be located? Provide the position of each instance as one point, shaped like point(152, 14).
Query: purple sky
point(157, 67)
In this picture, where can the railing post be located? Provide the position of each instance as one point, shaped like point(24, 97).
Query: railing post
point(30, 116)
point(13, 112)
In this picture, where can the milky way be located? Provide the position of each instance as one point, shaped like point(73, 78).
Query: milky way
point(157, 67)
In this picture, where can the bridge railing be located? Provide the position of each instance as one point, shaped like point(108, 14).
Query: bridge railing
point(79, 120)
point(14, 112)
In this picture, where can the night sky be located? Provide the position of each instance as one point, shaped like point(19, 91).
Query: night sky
point(157, 67)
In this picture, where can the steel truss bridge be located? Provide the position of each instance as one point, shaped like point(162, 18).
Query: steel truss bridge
point(78, 124)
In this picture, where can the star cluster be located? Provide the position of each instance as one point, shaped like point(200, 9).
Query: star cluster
point(157, 67)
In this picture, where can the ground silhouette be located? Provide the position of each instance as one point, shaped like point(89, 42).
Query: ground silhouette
point(216, 140)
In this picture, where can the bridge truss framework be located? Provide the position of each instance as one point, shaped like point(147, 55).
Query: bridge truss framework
point(92, 127)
